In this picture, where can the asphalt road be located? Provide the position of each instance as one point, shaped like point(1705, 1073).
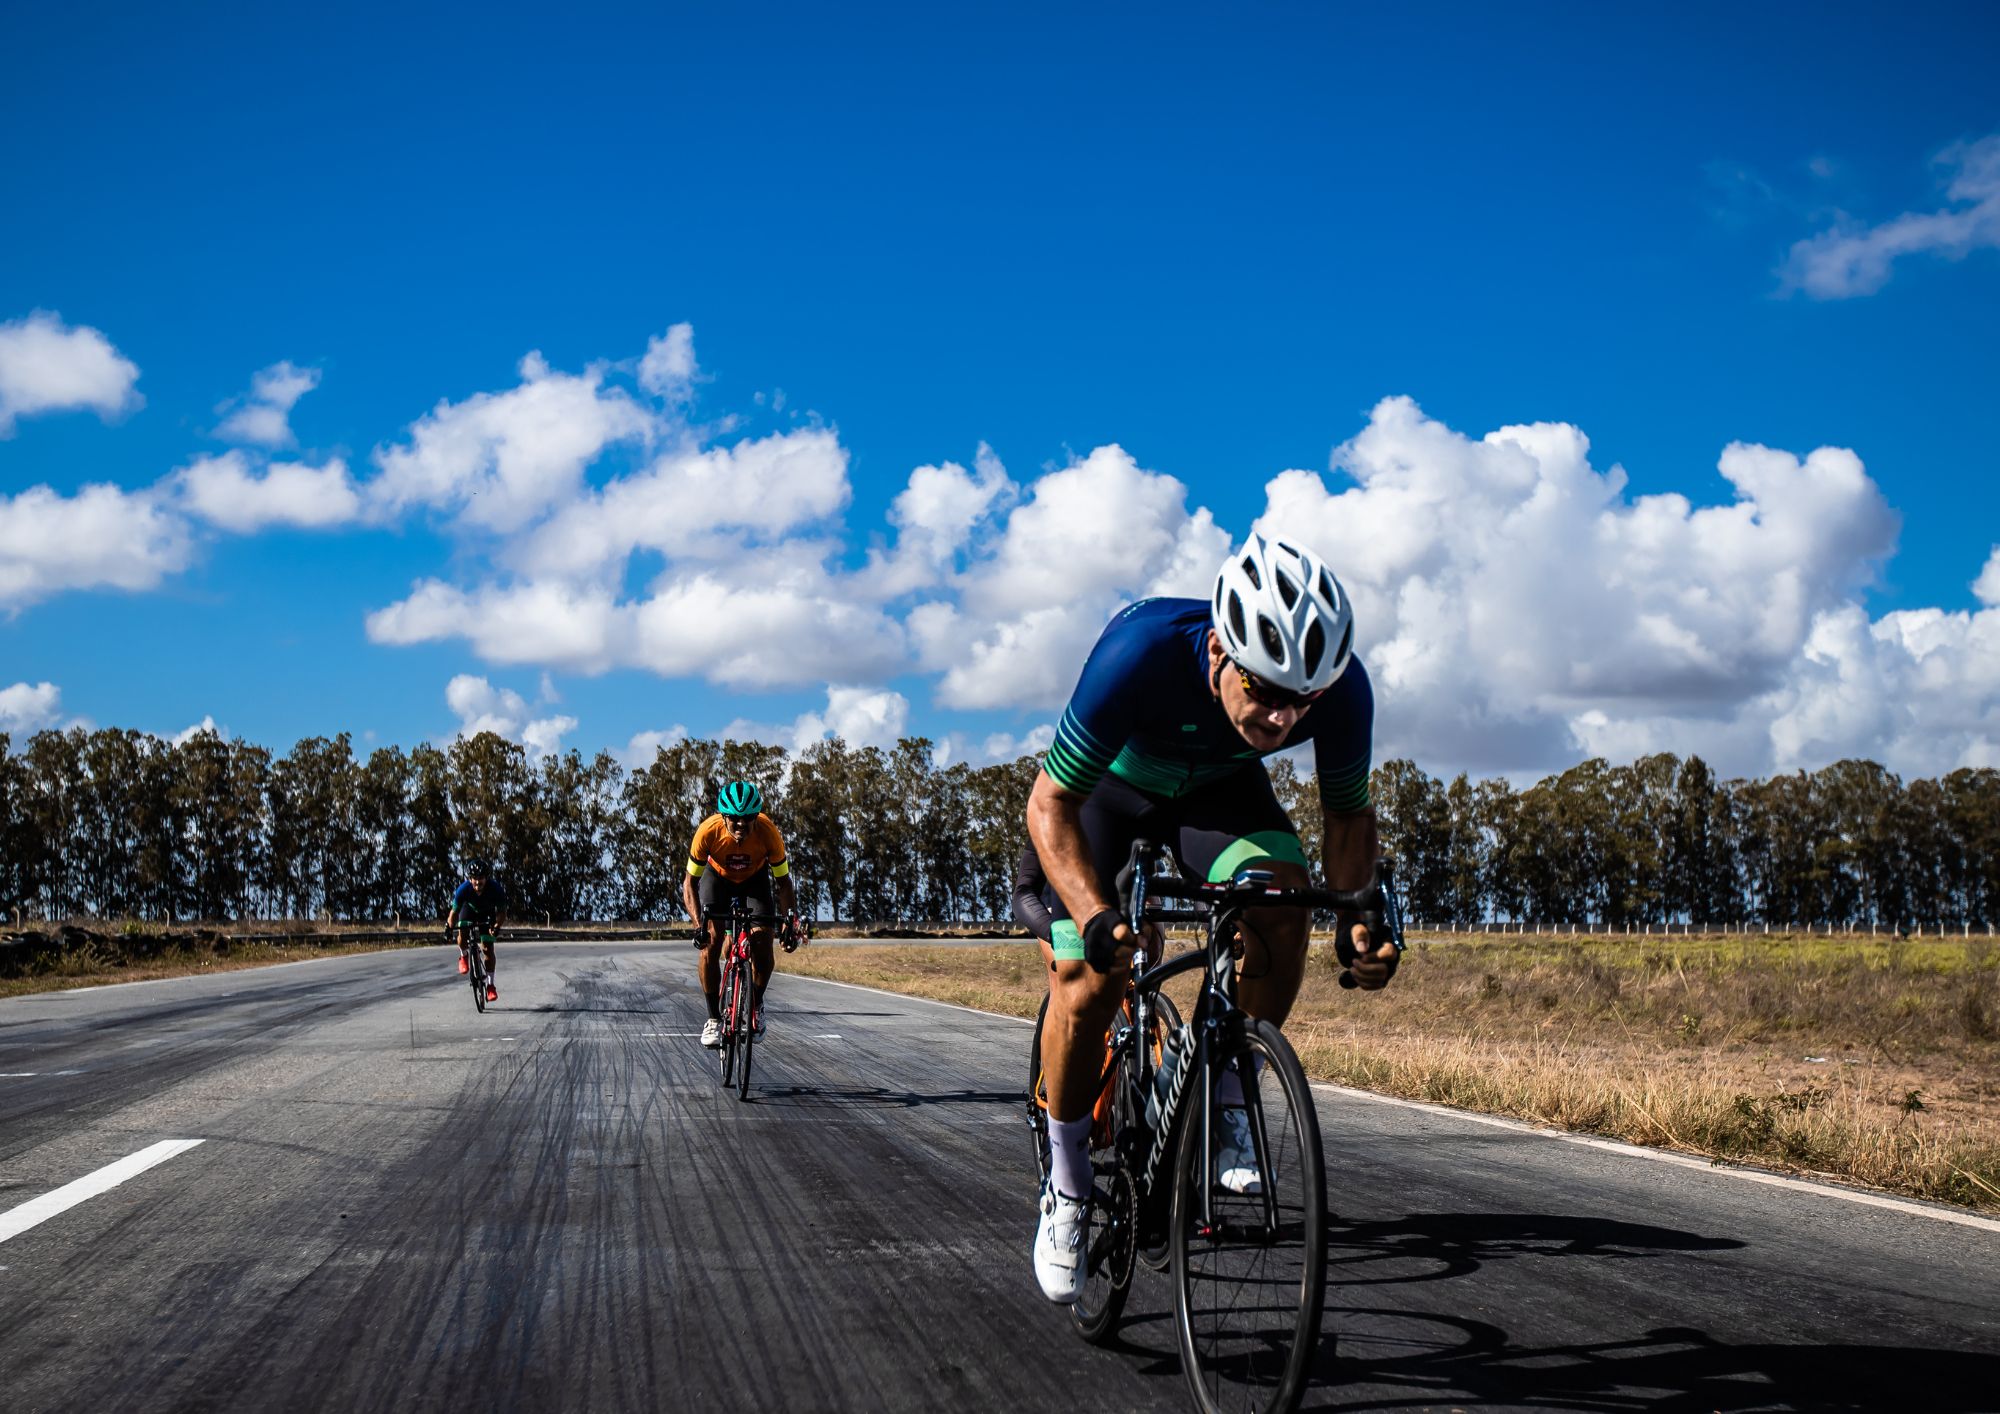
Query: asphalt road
point(399, 1204)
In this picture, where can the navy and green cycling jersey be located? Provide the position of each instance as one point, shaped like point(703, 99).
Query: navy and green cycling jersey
point(1143, 711)
point(473, 907)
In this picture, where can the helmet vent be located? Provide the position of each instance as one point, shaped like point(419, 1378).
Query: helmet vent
point(1250, 573)
point(1346, 642)
point(1315, 647)
point(1326, 590)
point(1236, 629)
point(1274, 643)
point(1287, 591)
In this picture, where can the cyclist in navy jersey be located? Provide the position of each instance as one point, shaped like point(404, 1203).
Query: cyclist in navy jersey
point(478, 902)
point(1164, 738)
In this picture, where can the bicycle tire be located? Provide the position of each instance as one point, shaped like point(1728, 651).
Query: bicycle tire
point(726, 1043)
point(1243, 1355)
point(746, 1026)
point(1038, 1108)
point(478, 972)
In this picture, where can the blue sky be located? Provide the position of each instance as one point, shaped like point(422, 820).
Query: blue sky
point(1214, 238)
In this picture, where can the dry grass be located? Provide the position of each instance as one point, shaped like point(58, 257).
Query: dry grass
point(1875, 1064)
point(99, 965)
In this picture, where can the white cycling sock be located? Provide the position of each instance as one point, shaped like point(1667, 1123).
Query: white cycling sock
point(1069, 1156)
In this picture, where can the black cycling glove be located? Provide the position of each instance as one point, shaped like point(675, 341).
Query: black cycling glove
point(1343, 940)
point(1100, 938)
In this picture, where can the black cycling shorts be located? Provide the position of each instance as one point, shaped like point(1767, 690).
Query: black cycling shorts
point(715, 892)
point(1213, 831)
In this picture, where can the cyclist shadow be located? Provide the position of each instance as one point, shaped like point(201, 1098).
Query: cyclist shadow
point(1671, 1370)
point(1438, 1246)
point(1406, 1357)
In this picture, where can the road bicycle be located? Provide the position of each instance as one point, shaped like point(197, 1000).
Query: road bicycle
point(1247, 1255)
point(476, 952)
point(739, 996)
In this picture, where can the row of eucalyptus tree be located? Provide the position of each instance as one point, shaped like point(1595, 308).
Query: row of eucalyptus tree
point(119, 824)
point(1663, 841)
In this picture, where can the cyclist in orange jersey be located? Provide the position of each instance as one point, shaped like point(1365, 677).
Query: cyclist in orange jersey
point(737, 853)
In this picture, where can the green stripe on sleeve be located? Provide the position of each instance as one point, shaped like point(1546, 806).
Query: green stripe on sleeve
point(1347, 788)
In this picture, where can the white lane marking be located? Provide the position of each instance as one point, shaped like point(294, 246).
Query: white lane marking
point(827, 1036)
point(16, 1221)
point(1634, 1151)
point(1667, 1156)
point(677, 1035)
point(31, 1074)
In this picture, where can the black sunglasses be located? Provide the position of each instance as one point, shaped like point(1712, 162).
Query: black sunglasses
point(1266, 694)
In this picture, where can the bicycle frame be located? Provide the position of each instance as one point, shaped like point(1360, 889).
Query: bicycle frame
point(735, 952)
point(1215, 1015)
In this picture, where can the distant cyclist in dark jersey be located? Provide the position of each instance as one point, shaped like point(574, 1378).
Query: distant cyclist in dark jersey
point(479, 902)
point(1164, 739)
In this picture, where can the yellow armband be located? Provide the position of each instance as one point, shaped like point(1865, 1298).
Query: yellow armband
point(780, 869)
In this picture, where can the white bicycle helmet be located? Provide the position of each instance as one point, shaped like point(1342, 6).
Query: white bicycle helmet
point(1283, 616)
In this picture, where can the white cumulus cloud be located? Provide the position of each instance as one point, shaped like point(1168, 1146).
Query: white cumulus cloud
point(696, 503)
point(206, 724)
point(1514, 605)
point(500, 460)
point(28, 707)
point(668, 370)
point(1856, 259)
point(1089, 537)
point(263, 417)
point(46, 366)
point(227, 491)
point(858, 716)
point(482, 707)
point(102, 537)
point(644, 746)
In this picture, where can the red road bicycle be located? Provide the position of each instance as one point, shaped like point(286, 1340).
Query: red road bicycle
point(739, 991)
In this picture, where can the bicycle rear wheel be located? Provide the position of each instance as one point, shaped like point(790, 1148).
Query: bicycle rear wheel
point(1113, 1229)
point(1038, 1100)
point(1251, 1280)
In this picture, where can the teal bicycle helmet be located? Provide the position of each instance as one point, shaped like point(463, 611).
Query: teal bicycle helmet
point(740, 798)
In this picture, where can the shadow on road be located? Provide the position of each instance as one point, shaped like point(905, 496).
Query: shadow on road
point(1672, 1370)
point(1410, 1358)
point(1435, 1246)
point(876, 1095)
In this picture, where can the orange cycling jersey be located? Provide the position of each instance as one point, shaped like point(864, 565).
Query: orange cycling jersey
point(737, 860)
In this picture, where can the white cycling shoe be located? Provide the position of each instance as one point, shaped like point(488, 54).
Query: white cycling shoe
point(711, 1033)
point(1062, 1243)
point(1236, 1153)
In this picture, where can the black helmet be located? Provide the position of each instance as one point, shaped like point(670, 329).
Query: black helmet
point(478, 868)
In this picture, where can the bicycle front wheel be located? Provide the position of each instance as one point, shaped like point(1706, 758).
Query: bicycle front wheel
point(478, 972)
point(746, 1032)
point(1250, 1265)
point(726, 1047)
